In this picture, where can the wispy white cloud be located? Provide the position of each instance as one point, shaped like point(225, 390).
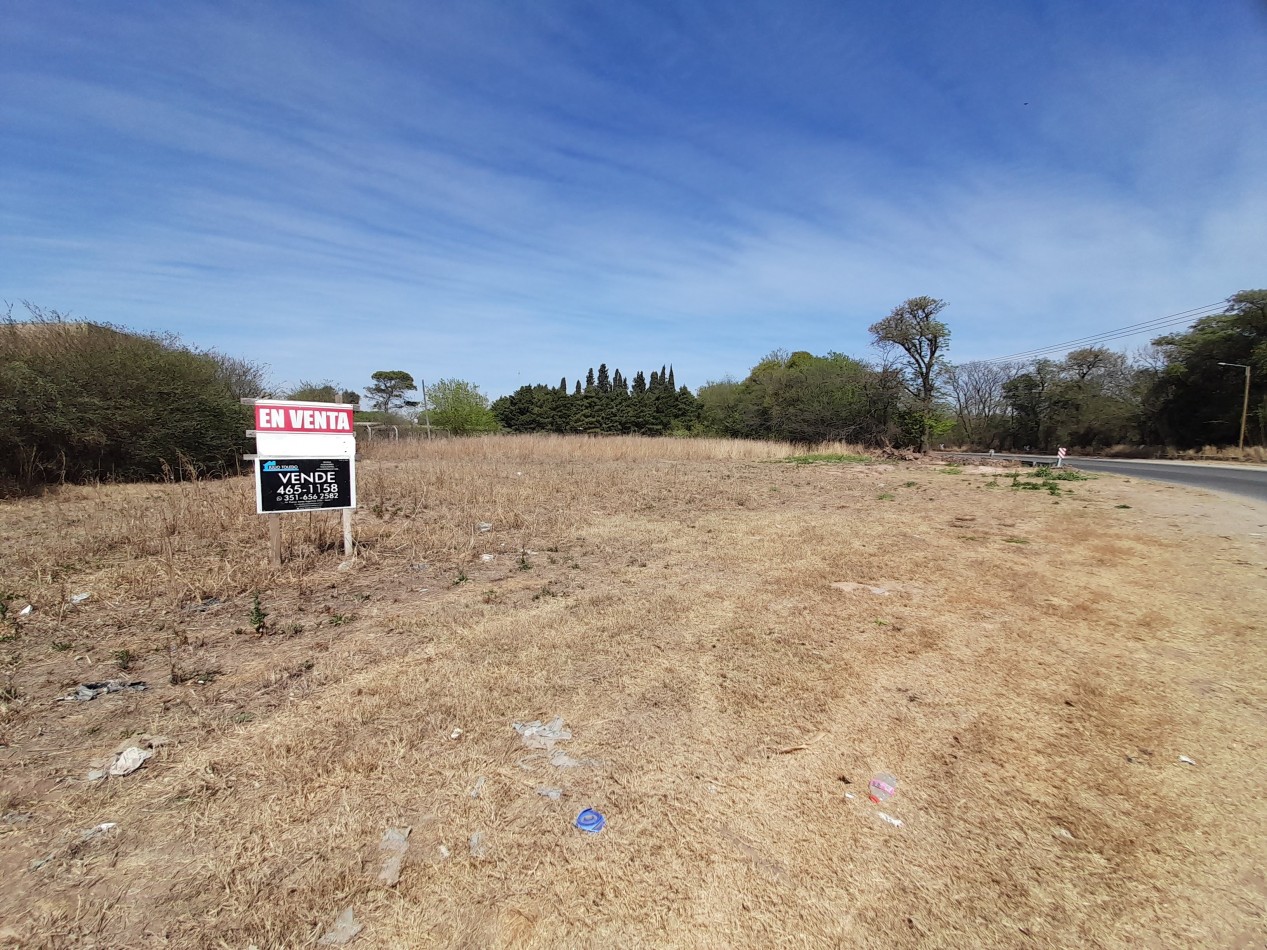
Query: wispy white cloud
point(513, 195)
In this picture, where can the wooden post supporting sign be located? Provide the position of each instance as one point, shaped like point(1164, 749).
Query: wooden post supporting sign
point(275, 540)
point(305, 460)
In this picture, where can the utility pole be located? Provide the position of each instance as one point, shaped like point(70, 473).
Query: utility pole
point(426, 411)
point(1244, 406)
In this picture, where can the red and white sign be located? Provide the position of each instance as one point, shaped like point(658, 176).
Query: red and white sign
point(303, 430)
point(302, 417)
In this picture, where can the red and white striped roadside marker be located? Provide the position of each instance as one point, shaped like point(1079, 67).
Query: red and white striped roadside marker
point(1060, 457)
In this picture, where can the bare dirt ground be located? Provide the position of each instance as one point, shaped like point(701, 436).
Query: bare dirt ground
point(1032, 671)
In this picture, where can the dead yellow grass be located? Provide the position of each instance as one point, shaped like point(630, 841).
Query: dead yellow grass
point(1031, 677)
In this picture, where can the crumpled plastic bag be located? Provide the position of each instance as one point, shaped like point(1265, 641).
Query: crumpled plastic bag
point(535, 735)
point(129, 760)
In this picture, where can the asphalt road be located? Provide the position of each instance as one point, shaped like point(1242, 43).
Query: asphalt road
point(1248, 481)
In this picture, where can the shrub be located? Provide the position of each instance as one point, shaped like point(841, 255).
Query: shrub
point(82, 401)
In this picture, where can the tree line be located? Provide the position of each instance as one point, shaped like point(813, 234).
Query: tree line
point(82, 401)
point(608, 402)
point(1184, 391)
point(1179, 392)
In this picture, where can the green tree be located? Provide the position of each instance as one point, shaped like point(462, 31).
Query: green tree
point(1097, 399)
point(461, 408)
point(1200, 401)
point(802, 398)
point(1031, 398)
point(309, 392)
point(719, 408)
point(586, 416)
point(387, 391)
point(913, 328)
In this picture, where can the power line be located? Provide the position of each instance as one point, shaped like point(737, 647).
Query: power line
point(1158, 323)
point(1184, 316)
point(1106, 337)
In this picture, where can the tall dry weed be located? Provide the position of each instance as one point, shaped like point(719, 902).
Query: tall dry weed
point(546, 448)
point(192, 538)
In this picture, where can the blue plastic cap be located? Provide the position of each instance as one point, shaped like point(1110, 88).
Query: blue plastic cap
point(591, 821)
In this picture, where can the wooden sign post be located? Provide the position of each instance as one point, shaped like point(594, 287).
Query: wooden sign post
point(305, 460)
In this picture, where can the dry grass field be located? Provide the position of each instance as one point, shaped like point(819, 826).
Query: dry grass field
point(1031, 670)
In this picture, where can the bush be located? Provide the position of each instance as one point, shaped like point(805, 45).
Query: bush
point(82, 401)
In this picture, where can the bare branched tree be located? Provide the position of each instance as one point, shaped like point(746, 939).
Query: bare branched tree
point(977, 392)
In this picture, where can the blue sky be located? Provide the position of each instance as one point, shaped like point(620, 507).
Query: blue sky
point(513, 192)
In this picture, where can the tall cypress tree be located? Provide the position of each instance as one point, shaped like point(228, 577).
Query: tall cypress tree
point(561, 410)
point(589, 380)
point(586, 417)
point(604, 381)
point(639, 383)
point(672, 385)
point(563, 385)
point(654, 383)
point(578, 388)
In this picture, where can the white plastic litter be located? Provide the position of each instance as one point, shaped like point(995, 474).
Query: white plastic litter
point(1187, 761)
point(479, 787)
point(393, 846)
point(486, 558)
point(346, 927)
point(98, 830)
point(853, 588)
point(895, 822)
point(484, 527)
point(26, 611)
point(554, 794)
point(479, 845)
point(79, 598)
point(538, 736)
point(455, 734)
point(129, 760)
